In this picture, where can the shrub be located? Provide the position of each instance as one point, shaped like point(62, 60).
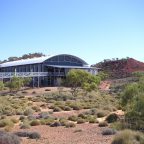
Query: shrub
point(56, 124)
point(31, 135)
point(128, 137)
point(80, 121)
point(92, 120)
point(63, 121)
point(83, 116)
point(73, 118)
point(28, 112)
point(35, 123)
point(44, 115)
point(76, 107)
point(112, 118)
point(7, 138)
point(22, 118)
point(1, 85)
point(93, 111)
point(56, 109)
point(101, 114)
point(31, 117)
point(103, 124)
point(14, 120)
point(108, 131)
point(25, 125)
point(36, 108)
point(70, 125)
point(34, 135)
point(6, 122)
point(67, 108)
point(118, 125)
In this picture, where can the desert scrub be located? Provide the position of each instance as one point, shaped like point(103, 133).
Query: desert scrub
point(25, 125)
point(128, 137)
point(103, 124)
point(35, 123)
point(70, 125)
point(31, 135)
point(118, 125)
point(109, 131)
point(7, 138)
point(63, 121)
point(36, 108)
point(80, 121)
point(55, 124)
point(73, 118)
point(14, 120)
point(6, 122)
point(101, 113)
point(57, 109)
point(112, 118)
point(28, 111)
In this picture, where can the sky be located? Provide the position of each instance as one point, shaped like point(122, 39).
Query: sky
point(93, 30)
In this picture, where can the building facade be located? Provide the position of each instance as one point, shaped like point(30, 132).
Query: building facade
point(44, 71)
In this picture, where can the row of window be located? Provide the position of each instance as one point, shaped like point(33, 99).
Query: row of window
point(26, 68)
point(64, 59)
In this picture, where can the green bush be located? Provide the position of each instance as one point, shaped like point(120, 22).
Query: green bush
point(56, 109)
point(35, 123)
point(63, 121)
point(103, 124)
point(73, 118)
point(101, 114)
point(36, 108)
point(80, 121)
point(67, 108)
point(128, 137)
point(1, 85)
point(6, 122)
point(28, 112)
point(112, 118)
point(25, 125)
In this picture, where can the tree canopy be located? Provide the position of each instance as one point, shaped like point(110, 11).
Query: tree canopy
point(80, 79)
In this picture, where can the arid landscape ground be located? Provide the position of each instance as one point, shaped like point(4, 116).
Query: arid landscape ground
point(85, 132)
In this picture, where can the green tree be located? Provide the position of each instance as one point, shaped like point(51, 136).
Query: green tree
point(16, 83)
point(1, 85)
point(80, 79)
point(133, 101)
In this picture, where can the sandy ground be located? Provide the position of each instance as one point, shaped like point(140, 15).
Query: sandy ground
point(90, 134)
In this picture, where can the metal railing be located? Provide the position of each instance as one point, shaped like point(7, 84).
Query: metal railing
point(4, 75)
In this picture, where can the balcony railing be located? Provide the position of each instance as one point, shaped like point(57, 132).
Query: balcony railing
point(4, 75)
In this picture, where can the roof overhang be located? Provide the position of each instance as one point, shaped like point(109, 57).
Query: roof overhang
point(69, 67)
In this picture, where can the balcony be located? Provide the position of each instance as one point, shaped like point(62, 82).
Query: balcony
point(4, 75)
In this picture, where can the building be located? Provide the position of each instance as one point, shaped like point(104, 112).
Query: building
point(44, 71)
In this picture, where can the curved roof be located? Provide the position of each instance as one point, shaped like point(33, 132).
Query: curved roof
point(35, 60)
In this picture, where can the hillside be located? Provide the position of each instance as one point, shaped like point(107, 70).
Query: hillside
point(120, 68)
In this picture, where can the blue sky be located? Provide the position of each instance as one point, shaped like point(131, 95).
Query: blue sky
point(91, 29)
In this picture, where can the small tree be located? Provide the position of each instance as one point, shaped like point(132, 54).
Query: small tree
point(80, 79)
point(16, 83)
point(1, 85)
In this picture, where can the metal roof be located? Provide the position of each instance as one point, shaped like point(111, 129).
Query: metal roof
point(25, 62)
point(34, 61)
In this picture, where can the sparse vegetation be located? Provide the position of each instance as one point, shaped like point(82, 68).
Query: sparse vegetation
point(128, 137)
